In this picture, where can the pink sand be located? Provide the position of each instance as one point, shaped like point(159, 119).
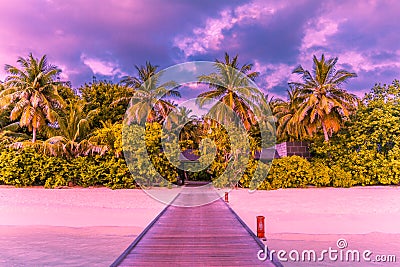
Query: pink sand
point(70, 227)
point(91, 227)
point(315, 218)
point(78, 207)
point(356, 210)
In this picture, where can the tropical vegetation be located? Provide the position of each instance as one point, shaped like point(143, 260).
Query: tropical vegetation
point(54, 135)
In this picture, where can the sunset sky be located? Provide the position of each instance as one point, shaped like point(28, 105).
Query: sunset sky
point(107, 38)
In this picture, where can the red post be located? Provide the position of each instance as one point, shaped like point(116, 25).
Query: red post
point(260, 227)
point(226, 197)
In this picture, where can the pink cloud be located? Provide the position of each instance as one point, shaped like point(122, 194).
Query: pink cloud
point(206, 38)
point(273, 74)
point(367, 16)
point(317, 32)
point(64, 30)
point(210, 36)
point(99, 66)
point(118, 34)
point(196, 86)
point(363, 62)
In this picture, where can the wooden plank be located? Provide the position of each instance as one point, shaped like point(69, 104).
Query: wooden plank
point(206, 235)
point(139, 237)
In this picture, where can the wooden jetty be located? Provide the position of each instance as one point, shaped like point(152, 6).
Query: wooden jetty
point(206, 235)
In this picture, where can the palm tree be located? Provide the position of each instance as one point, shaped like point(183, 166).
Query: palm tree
point(143, 73)
point(108, 138)
point(146, 95)
point(323, 103)
point(231, 87)
point(189, 127)
point(134, 82)
point(288, 128)
point(272, 101)
point(149, 102)
point(185, 114)
point(70, 138)
point(74, 130)
point(4, 116)
point(245, 69)
point(32, 92)
point(11, 133)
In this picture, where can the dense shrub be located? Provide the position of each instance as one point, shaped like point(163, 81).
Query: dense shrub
point(145, 157)
point(295, 172)
point(321, 175)
point(286, 172)
point(291, 171)
point(101, 95)
point(28, 168)
point(367, 149)
point(20, 169)
point(341, 178)
point(248, 176)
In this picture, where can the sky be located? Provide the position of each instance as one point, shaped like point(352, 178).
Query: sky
point(107, 38)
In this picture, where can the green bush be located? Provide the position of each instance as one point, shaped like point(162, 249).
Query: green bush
point(28, 168)
point(321, 175)
point(367, 150)
point(146, 160)
point(21, 169)
point(248, 176)
point(288, 172)
point(285, 172)
point(341, 178)
point(295, 171)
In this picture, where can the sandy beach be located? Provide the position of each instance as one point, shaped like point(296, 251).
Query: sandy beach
point(92, 226)
point(70, 227)
point(316, 218)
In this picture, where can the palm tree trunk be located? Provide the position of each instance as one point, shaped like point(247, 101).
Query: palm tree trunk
point(325, 131)
point(34, 135)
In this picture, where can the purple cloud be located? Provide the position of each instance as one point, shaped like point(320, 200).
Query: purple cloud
point(108, 38)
